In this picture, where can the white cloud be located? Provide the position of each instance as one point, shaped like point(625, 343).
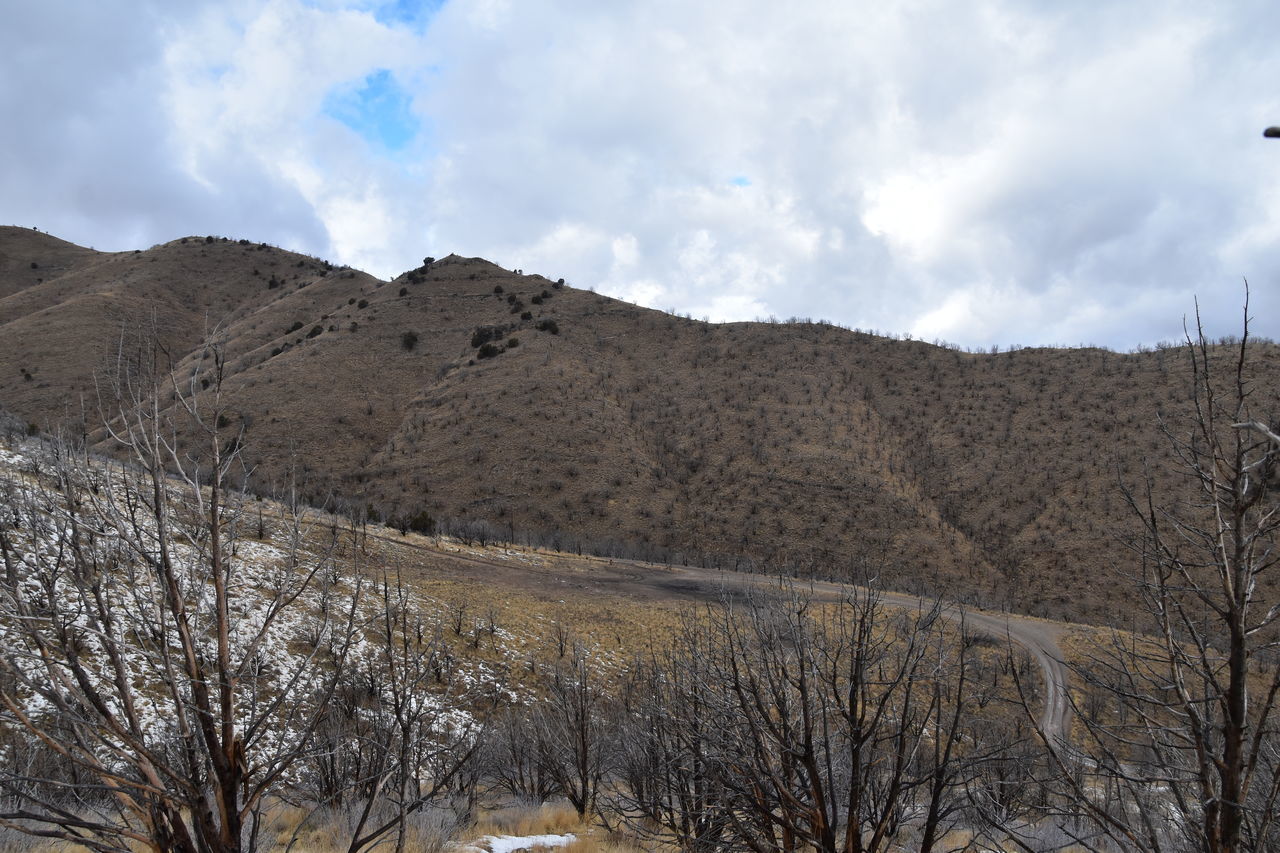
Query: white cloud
point(993, 172)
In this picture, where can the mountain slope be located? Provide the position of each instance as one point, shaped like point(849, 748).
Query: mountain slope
point(593, 421)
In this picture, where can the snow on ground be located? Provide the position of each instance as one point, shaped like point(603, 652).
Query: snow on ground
point(266, 636)
point(511, 843)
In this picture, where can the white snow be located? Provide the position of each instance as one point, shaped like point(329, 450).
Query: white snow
point(511, 843)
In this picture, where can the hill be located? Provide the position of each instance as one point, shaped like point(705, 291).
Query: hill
point(468, 392)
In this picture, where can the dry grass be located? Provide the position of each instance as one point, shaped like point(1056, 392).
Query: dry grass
point(800, 444)
point(544, 819)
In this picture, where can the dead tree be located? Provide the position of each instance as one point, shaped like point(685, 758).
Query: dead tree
point(668, 784)
point(1181, 747)
point(141, 656)
point(420, 735)
point(573, 729)
point(784, 724)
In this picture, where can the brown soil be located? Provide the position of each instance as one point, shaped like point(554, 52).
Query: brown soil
point(990, 477)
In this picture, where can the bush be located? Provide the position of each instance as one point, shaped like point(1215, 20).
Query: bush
point(549, 326)
point(488, 351)
point(421, 523)
point(315, 330)
point(295, 327)
point(513, 343)
point(409, 340)
point(404, 291)
point(527, 315)
point(363, 303)
point(497, 288)
point(484, 334)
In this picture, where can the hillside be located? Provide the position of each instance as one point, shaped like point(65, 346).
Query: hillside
point(467, 391)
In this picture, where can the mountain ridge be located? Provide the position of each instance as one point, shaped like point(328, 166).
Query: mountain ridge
point(461, 390)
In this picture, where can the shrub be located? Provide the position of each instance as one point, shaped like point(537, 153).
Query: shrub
point(34, 265)
point(559, 283)
point(409, 340)
point(513, 343)
point(296, 326)
point(497, 288)
point(527, 315)
point(421, 523)
point(315, 330)
point(484, 334)
point(363, 303)
point(351, 301)
point(404, 291)
point(488, 351)
point(549, 326)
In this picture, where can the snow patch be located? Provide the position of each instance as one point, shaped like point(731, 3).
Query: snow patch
point(512, 843)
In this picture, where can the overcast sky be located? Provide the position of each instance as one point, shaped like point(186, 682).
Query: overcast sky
point(983, 172)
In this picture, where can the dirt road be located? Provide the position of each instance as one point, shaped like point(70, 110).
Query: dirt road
point(651, 581)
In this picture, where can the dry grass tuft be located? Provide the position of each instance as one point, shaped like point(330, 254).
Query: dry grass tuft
point(544, 819)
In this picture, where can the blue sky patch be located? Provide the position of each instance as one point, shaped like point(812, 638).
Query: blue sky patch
point(378, 110)
point(740, 181)
point(412, 12)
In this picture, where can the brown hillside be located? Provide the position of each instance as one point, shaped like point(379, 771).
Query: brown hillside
point(769, 445)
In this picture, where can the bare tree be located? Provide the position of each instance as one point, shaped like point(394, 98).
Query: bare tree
point(573, 730)
point(1181, 736)
point(669, 783)
point(783, 724)
point(423, 732)
point(142, 657)
point(510, 758)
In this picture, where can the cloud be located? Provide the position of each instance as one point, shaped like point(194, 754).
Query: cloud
point(993, 172)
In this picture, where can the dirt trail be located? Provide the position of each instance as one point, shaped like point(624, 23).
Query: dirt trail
point(652, 581)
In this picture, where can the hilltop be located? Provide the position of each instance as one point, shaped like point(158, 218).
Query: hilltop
point(464, 391)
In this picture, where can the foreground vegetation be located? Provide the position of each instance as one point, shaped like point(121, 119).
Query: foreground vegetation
point(181, 670)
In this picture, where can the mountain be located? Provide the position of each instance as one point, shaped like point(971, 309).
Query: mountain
point(466, 391)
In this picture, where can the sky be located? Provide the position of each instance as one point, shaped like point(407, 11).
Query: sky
point(988, 172)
